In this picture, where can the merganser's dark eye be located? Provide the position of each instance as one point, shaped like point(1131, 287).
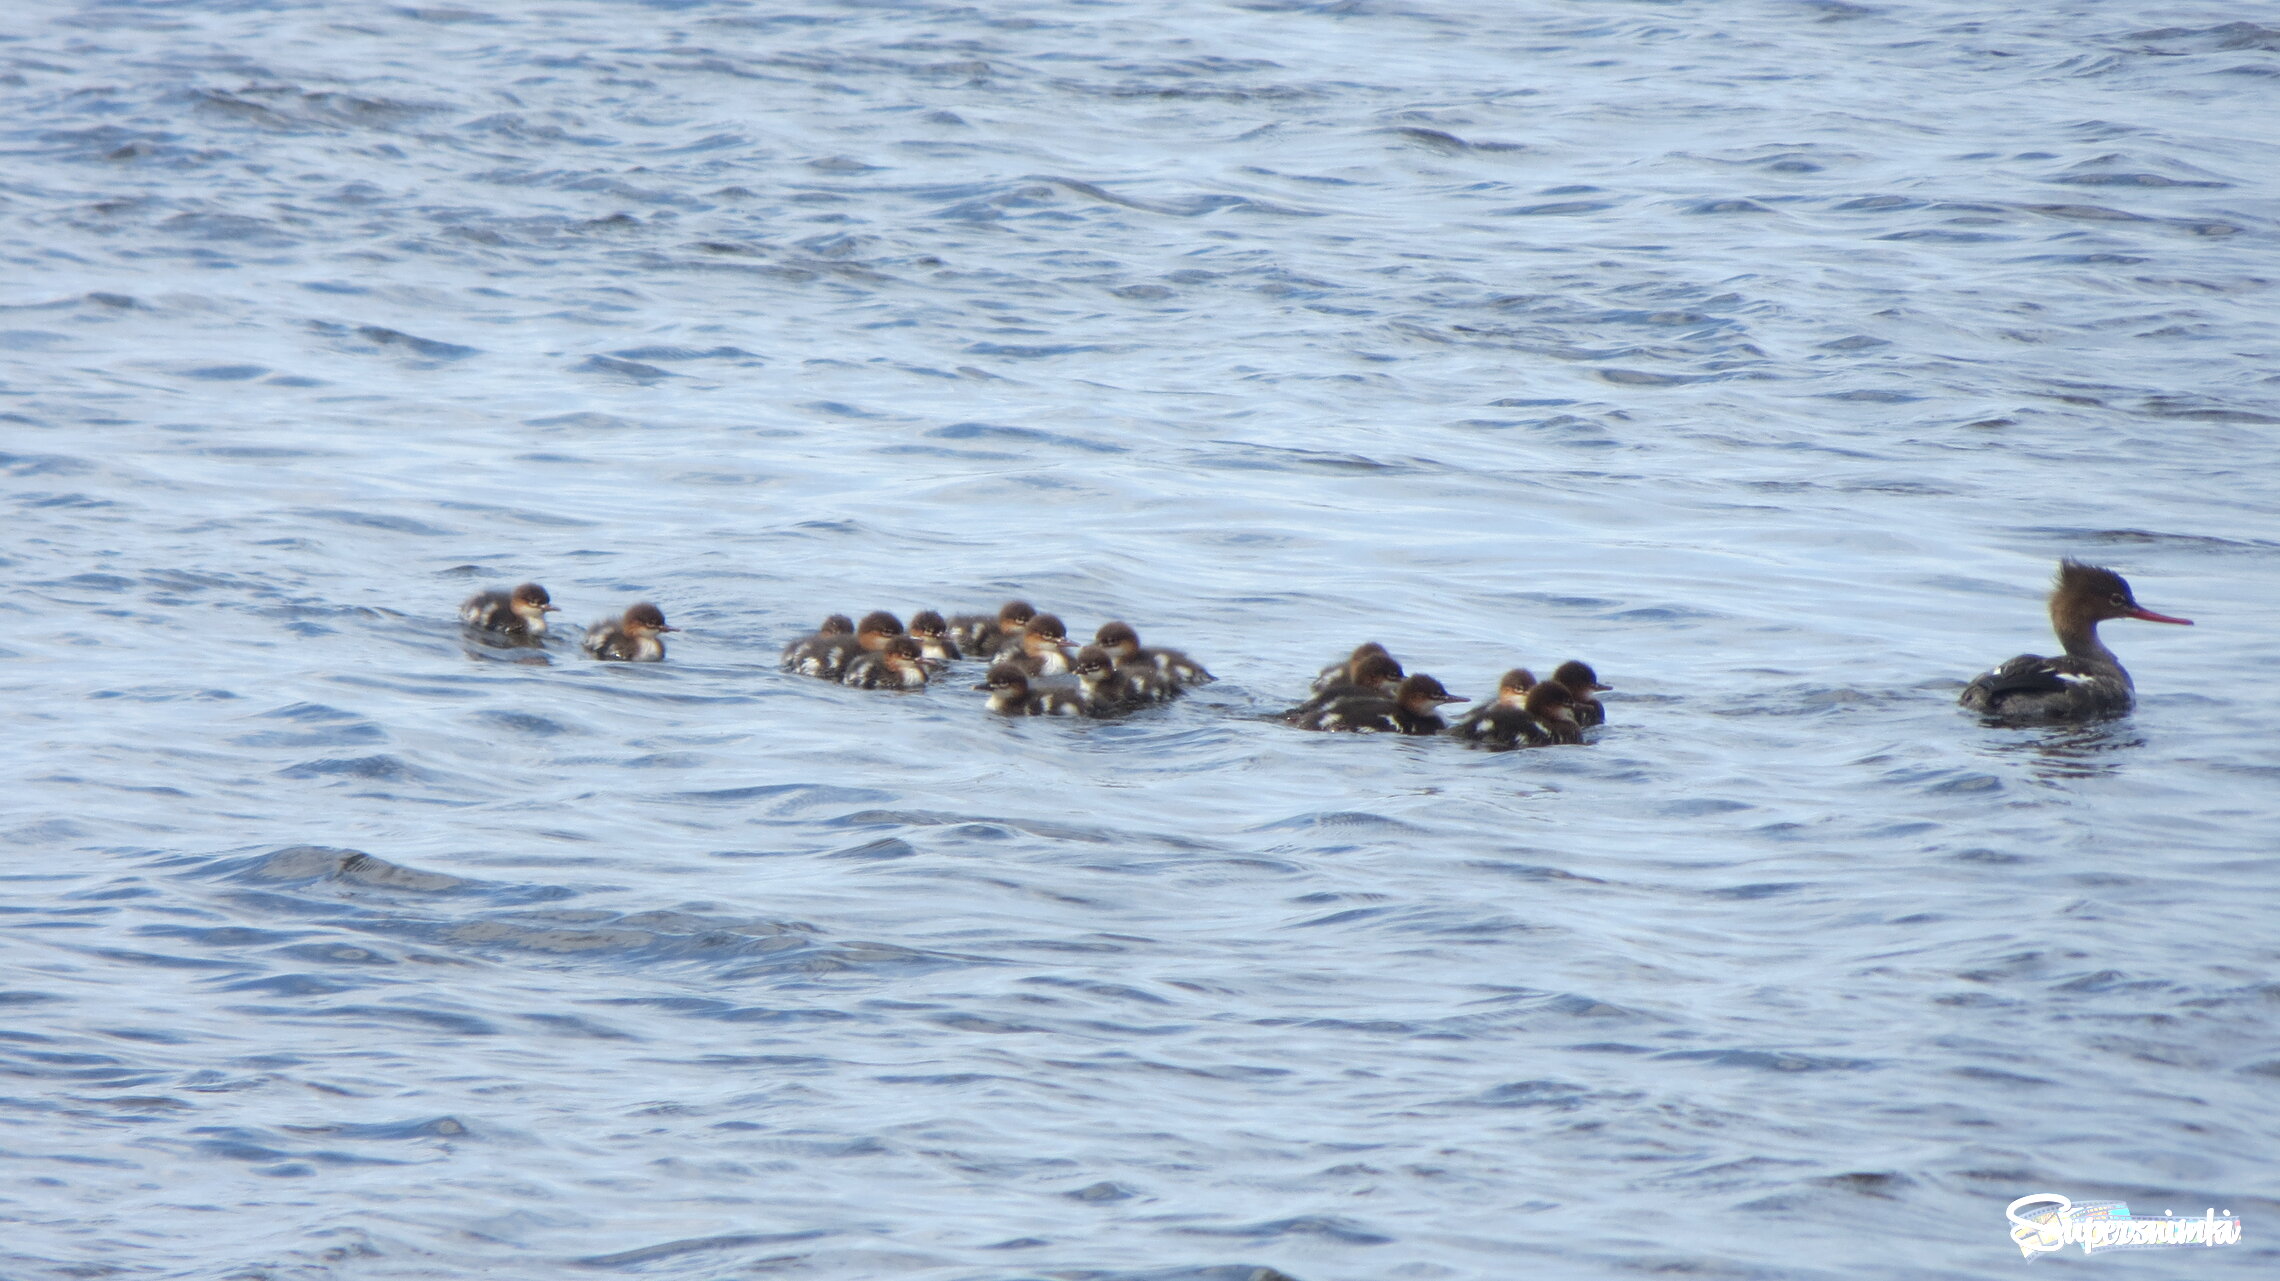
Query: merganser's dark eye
point(2119, 599)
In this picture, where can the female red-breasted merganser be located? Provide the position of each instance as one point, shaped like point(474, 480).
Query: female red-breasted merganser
point(1583, 682)
point(895, 665)
point(2088, 683)
point(1374, 675)
point(1042, 648)
point(810, 654)
point(632, 638)
point(1011, 694)
point(1413, 709)
point(1347, 672)
point(1500, 717)
point(979, 635)
point(933, 636)
point(1123, 645)
point(520, 613)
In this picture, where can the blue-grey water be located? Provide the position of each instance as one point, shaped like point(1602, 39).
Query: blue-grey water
point(1767, 355)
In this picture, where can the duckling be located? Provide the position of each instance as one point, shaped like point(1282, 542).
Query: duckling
point(979, 635)
point(933, 635)
point(1011, 694)
point(1344, 673)
point(1042, 648)
point(520, 614)
point(1545, 714)
point(1413, 709)
point(632, 638)
point(896, 665)
point(1552, 706)
point(1502, 718)
point(1377, 675)
point(1123, 645)
point(819, 653)
point(1111, 690)
point(1582, 682)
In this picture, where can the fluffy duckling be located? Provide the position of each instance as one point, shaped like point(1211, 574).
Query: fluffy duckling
point(933, 636)
point(1503, 718)
point(1346, 673)
point(896, 665)
point(1042, 648)
point(1111, 690)
point(1552, 706)
point(1413, 709)
point(1582, 682)
point(520, 614)
point(979, 635)
point(632, 638)
point(819, 652)
point(1123, 646)
point(1376, 675)
point(1011, 694)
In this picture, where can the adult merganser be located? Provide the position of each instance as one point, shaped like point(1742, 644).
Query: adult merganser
point(1042, 648)
point(2088, 683)
point(1582, 682)
point(1012, 695)
point(1413, 709)
point(933, 636)
point(1345, 673)
point(895, 665)
point(520, 613)
point(812, 654)
point(632, 638)
point(979, 635)
point(1123, 645)
point(1502, 717)
point(1373, 674)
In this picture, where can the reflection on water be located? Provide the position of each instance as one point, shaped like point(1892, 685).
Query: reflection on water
point(2071, 751)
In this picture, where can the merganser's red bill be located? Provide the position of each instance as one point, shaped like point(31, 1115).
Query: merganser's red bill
point(2151, 617)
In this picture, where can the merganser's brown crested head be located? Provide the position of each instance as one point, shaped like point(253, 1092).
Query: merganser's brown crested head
point(875, 629)
point(902, 652)
point(1373, 671)
point(1365, 649)
point(646, 619)
point(1005, 677)
point(1092, 664)
point(1047, 628)
point(837, 625)
point(1553, 706)
point(2086, 595)
point(1421, 693)
point(1118, 639)
point(1013, 616)
point(929, 624)
point(532, 602)
point(1578, 677)
point(1514, 686)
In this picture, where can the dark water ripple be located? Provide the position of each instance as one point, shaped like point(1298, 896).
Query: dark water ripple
point(1766, 355)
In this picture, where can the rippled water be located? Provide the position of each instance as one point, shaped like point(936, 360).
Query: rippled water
point(1766, 355)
